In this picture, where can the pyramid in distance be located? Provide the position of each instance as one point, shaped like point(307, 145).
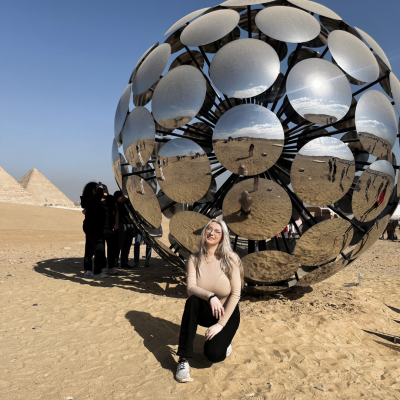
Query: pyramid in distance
point(43, 191)
point(12, 192)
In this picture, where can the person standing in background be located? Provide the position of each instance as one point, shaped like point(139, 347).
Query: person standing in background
point(136, 254)
point(126, 230)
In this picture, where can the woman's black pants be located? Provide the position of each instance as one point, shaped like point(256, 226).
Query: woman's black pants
point(98, 246)
point(198, 312)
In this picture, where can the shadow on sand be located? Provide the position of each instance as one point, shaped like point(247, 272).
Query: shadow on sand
point(159, 335)
point(159, 279)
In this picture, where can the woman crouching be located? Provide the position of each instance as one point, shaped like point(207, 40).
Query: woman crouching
point(214, 281)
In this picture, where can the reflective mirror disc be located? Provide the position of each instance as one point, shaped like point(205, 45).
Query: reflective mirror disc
point(144, 200)
point(215, 46)
point(210, 193)
point(323, 242)
point(241, 3)
point(320, 41)
point(186, 59)
point(269, 213)
point(146, 175)
point(373, 190)
point(253, 68)
point(372, 236)
point(178, 97)
point(353, 143)
point(210, 27)
point(376, 123)
point(186, 228)
point(121, 113)
point(315, 8)
point(374, 46)
point(319, 91)
point(248, 137)
point(291, 113)
point(353, 56)
point(141, 60)
point(186, 19)
point(323, 171)
point(183, 170)
point(151, 68)
point(288, 24)
point(322, 273)
point(138, 137)
point(269, 266)
point(395, 86)
point(174, 40)
point(350, 124)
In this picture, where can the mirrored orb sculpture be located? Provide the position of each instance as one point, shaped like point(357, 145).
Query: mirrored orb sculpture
point(278, 118)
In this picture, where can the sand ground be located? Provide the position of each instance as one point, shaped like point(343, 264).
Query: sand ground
point(67, 337)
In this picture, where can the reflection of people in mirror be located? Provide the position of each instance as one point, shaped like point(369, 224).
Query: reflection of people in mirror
point(141, 186)
point(242, 170)
point(256, 183)
point(251, 150)
point(334, 170)
point(341, 179)
point(140, 156)
point(245, 202)
point(160, 168)
point(377, 203)
point(367, 188)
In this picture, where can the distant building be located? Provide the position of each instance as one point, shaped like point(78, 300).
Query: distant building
point(322, 119)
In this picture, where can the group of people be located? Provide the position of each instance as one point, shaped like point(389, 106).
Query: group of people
point(107, 221)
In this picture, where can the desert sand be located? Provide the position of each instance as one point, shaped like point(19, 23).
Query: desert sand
point(67, 337)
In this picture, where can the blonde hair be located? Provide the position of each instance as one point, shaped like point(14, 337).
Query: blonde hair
point(224, 252)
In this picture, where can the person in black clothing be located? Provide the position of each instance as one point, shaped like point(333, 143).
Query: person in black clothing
point(101, 220)
point(126, 229)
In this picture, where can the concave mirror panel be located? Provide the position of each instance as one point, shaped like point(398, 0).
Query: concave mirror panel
point(210, 27)
point(323, 171)
point(269, 266)
point(183, 171)
point(178, 97)
point(248, 139)
point(186, 19)
point(319, 91)
point(323, 242)
point(141, 60)
point(257, 211)
point(121, 112)
point(373, 190)
point(186, 228)
point(288, 24)
point(253, 68)
point(353, 56)
point(315, 8)
point(376, 123)
point(138, 137)
point(151, 69)
point(144, 200)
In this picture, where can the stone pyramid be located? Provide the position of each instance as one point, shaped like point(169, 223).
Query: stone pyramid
point(43, 191)
point(12, 192)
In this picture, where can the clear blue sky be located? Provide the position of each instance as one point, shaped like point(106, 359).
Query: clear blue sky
point(65, 65)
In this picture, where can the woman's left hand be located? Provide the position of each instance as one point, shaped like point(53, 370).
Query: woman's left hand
point(115, 227)
point(213, 330)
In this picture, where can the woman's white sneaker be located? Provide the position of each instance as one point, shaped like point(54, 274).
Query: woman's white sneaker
point(229, 350)
point(182, 371)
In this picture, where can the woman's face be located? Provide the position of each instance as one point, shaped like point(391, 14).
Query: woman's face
point(213, 234)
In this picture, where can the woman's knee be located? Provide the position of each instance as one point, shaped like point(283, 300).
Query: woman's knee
point(215, 355)
point(192, 301)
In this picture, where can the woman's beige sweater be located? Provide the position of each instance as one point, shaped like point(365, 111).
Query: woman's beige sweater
point(212, 280)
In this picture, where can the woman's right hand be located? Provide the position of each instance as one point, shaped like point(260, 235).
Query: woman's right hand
point(217, 308)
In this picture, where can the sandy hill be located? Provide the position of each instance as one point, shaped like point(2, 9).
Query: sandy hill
point(43, 191)
point(12, 192)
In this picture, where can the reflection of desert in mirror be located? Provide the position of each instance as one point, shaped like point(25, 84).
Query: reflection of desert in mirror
point(375, 145)
point(183, 171)
point(320, 274)
point(145, 201)
point(269, 266)
point(248, 139)
point(186, 228)
point(257, 212)
point(323, 171)
point(117, 169)
point(140, 152)
point(324, 242)
point(373, 190)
